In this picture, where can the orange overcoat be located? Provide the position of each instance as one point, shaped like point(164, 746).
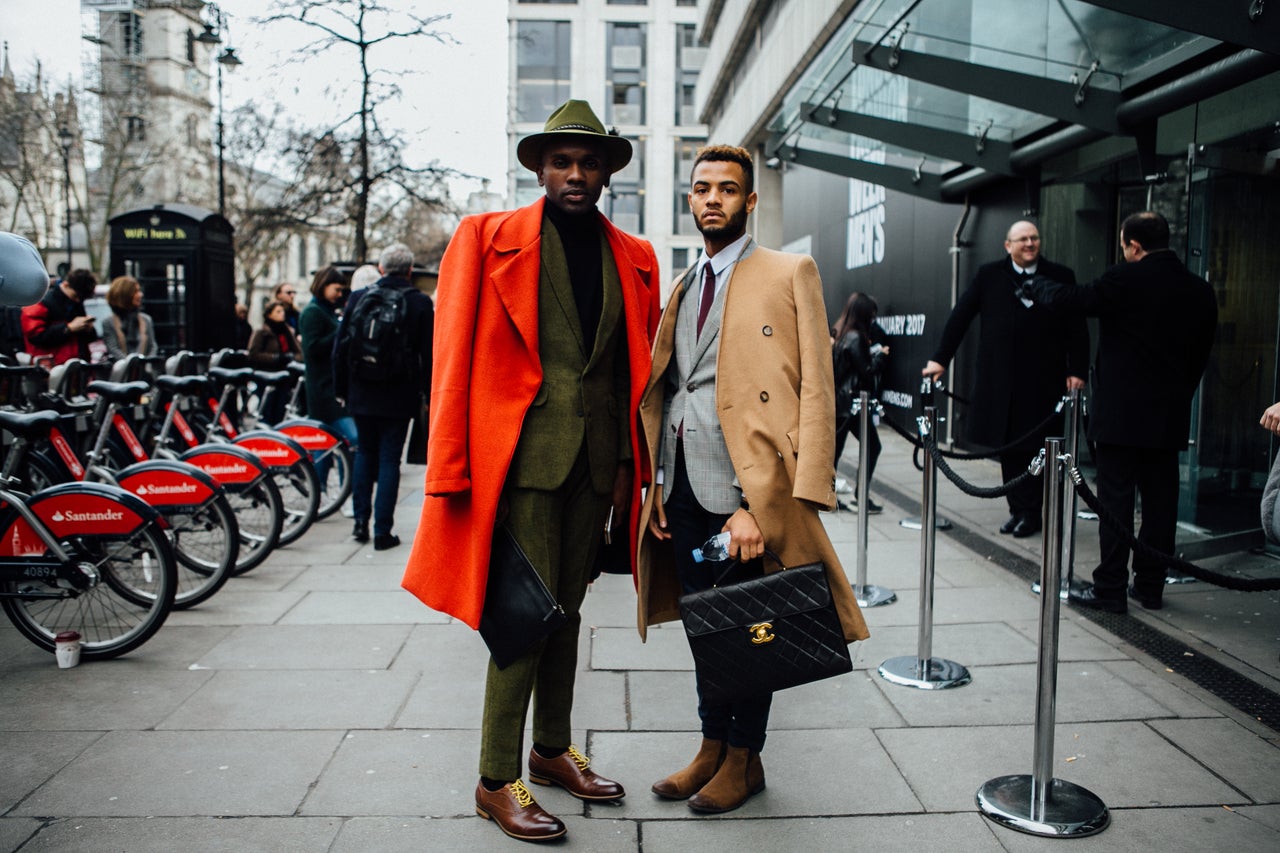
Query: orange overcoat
point(485, 374)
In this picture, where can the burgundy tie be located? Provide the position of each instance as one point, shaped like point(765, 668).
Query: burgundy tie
point(708, 295)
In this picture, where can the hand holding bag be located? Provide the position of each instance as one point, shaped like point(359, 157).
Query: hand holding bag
point(765, 634)
point(519, 611)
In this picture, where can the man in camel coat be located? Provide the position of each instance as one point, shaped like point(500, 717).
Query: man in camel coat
point(737, 418)
point(543, 325)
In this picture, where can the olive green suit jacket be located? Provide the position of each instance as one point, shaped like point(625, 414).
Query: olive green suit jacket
point(583, 397)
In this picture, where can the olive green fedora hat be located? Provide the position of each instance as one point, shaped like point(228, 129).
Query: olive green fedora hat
point(570, 119)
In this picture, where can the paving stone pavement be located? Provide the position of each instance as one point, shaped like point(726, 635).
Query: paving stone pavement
point(312, 705)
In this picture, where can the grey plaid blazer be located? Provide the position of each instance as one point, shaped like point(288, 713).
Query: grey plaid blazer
point(691, 397)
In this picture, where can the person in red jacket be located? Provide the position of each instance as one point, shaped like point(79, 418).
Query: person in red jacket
point(57, 325)
point(542, 332)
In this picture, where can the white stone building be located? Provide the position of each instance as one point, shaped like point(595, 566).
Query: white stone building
point(637, 64)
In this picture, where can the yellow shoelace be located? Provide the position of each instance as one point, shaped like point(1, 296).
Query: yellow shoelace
point(578, 757)
point(522, 794)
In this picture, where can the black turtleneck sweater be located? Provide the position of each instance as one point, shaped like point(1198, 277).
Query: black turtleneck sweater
point(580, 235)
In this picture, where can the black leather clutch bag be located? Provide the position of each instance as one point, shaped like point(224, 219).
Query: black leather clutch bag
point(764, 634)
point(519, 611)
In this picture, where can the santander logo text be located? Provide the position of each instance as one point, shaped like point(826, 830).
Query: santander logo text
point(101, 515)
point(158, 489)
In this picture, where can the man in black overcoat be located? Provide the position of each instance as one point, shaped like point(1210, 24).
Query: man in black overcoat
point(1027, 357)
point(1155, 330)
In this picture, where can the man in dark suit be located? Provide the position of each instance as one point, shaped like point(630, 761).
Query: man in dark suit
point(1156, 327)
point(383, 406)
point(1027, 357)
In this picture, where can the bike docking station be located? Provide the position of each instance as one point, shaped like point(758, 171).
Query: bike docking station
point(1039, 804)
point(924, 671)
point(866, 594)
point(1072, 407)
point(911, 522)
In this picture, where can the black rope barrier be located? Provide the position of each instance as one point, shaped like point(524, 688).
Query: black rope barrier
point(1105, 516)
point(966, 487)
point(942, 389)
point(928, 442)
point(1035, 432)
point(902, 431)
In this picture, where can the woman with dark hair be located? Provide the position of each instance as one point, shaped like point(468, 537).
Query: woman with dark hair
point(272, 346)
point(857, 363)
point(318, 326)
point(129, 329)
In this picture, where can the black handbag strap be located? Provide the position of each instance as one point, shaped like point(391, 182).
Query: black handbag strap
point(733, 564)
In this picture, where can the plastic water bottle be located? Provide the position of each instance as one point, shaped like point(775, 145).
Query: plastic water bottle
point(713, 550)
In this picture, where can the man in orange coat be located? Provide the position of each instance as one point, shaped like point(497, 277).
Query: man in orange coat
point(543, 326)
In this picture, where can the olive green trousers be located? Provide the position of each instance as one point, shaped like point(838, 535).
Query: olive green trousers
point(560, 532)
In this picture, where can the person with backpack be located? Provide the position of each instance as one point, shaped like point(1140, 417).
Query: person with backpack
point(382, 371)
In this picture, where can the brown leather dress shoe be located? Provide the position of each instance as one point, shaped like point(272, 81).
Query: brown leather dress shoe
point(571, 771)
point(516, 813)
point(683, 784)
point(739, 779)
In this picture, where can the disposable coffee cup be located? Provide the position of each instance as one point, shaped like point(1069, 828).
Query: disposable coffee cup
point(67, 648)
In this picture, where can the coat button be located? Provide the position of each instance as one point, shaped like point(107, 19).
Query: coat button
point(690, 387)
point(768, 330)
point(764, 396)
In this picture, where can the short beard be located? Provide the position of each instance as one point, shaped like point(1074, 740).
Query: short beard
point(733, 228)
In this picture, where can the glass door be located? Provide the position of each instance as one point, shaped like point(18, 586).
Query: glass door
point(1233, 217)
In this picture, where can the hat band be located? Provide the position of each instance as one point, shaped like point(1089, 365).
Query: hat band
point(585, 127)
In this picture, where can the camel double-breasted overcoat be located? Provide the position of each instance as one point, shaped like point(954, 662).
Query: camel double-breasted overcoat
point(774, 398)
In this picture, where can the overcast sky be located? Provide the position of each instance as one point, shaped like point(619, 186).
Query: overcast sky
point(454, 105)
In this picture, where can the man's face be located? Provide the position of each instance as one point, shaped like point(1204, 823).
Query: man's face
point(1023, 244)
point(286, 294)
point(719, 202)
point(574, 174)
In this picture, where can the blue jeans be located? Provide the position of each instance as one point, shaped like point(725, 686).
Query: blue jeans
point(378, 457)
point(345, 427)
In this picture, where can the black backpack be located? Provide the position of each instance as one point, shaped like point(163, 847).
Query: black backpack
point(381, 348)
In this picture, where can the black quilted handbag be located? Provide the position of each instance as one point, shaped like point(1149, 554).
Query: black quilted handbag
point(764, 634)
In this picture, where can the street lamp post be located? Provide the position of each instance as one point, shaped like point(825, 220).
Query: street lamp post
point(212, 36)
point(65, 141)
point(230, 60)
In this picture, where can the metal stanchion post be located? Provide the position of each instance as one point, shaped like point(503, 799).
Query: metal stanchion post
point(911, 522)
point(1071, 408)
point(867, 594)
point(1039, 804)
point(924, 670)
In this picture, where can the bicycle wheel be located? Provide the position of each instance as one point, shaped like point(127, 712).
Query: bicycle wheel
point(41, 473)
point(337, 486)
point(206, 543)
point(136, 578)
point(300, 493)
point(260, 515)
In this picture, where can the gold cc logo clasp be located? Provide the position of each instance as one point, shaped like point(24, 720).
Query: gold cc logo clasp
point(760, 633)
